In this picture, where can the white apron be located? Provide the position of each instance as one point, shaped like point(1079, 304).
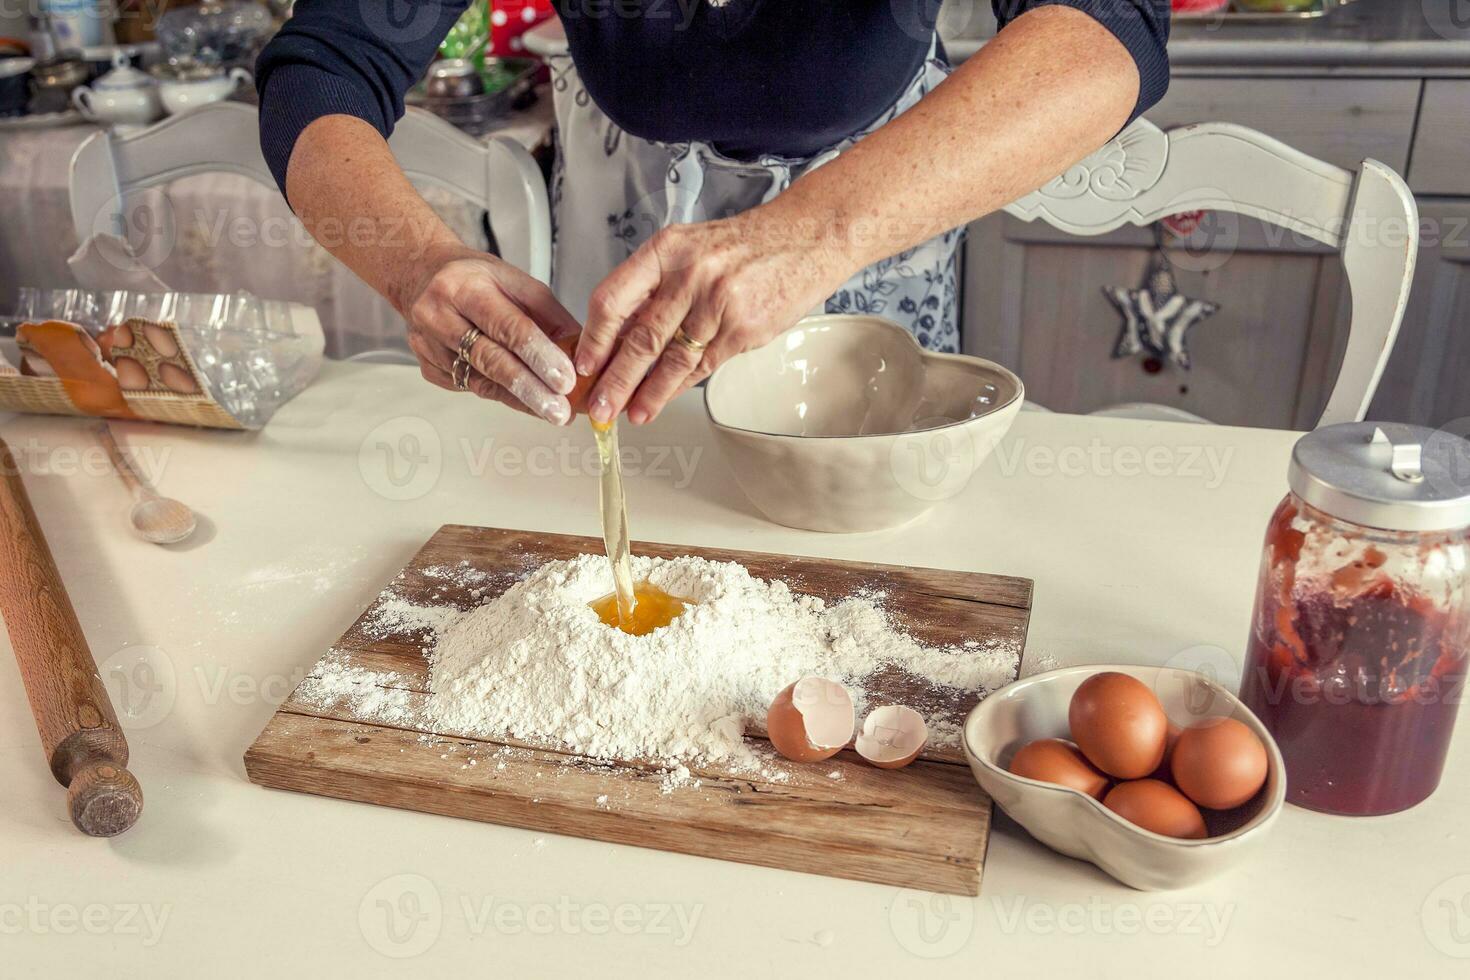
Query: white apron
point(610, 191)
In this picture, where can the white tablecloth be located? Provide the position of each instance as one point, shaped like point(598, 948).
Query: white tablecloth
point(231, 234)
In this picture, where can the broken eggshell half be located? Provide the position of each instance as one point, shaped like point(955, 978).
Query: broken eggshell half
point(892, 736)
point(811, 720)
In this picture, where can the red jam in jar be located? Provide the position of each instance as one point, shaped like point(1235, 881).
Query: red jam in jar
point(1357, 654)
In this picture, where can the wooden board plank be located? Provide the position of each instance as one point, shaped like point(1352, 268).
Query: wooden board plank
point(922, 827)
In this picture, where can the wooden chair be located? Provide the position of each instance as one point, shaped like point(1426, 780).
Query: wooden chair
point(1369, 216)
point(498, 174)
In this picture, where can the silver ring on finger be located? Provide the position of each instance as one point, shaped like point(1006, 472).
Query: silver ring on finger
point(689, 343)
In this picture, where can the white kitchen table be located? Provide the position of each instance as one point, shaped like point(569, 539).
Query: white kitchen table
point(1140, 549)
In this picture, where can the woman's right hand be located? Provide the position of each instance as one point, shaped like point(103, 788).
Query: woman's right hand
point(515, 359)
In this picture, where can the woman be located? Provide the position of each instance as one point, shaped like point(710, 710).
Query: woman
point(724, 168)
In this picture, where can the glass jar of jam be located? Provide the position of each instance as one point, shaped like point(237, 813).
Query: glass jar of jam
point(1361, 631)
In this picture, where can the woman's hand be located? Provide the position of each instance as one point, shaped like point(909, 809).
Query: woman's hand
point(514, 359)
point(731, 285)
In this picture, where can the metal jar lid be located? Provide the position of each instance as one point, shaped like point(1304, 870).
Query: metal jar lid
point(452, 68)
point(1385, 475)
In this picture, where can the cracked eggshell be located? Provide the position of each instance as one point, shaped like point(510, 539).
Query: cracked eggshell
point(577, 397)
point(892, 736)
point(811, 720)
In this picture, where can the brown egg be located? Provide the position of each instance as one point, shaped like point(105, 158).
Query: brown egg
point(1055, 760)
point(109, 338)
point(131, 375)
point(160, 339)
point(1158, 807)
point(177, 379)
point(578, 396)
point(1119, 725)
point(1171, 737)
point(811, 720)
point(1219, 763)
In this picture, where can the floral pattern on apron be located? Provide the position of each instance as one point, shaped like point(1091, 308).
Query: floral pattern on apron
point(623, 189)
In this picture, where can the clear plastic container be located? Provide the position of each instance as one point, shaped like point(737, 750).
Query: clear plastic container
point(252, 355)
point(1359, 641)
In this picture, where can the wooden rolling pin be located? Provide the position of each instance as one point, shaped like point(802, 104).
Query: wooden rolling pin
point(79, 731)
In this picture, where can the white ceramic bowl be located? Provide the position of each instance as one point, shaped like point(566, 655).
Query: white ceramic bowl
point(844, 423)
point(1078, 825)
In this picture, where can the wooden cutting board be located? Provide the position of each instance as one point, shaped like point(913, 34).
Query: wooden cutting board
point(922, 827)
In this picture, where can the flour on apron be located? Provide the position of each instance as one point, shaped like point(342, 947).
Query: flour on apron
point(623, 189)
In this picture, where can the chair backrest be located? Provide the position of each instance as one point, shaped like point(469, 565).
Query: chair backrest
point(1370, 216)
point(497, 174)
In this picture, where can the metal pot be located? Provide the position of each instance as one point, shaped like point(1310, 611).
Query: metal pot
point(52, 81)
point(453, 78)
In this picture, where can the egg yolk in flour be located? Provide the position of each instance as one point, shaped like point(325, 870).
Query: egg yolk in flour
point(653, 608)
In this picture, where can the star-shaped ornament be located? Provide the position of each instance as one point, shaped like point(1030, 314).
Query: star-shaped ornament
point(1157, 318)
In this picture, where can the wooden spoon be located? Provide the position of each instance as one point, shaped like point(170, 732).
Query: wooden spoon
point(161, 520)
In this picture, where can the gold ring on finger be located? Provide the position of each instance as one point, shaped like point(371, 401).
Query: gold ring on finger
point(459, 373)
point(689, 343)
point(467, 342)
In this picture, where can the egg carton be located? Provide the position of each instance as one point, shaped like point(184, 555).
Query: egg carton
point(149, 359)
point(65, 370)
point(217, 360)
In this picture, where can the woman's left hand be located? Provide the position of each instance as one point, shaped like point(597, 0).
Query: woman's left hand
point(730, 285)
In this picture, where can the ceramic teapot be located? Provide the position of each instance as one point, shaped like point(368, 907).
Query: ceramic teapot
point(184, 84)
point(123, 96)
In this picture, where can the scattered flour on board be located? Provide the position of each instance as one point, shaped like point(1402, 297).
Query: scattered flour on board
point(378, 695)
point(397, 616)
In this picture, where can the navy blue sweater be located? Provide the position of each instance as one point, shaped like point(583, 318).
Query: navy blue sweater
point(785, 77)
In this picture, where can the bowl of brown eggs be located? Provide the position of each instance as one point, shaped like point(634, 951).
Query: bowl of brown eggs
point(1159, 776)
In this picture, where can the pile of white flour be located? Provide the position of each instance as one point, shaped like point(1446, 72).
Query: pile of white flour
point(535, 663)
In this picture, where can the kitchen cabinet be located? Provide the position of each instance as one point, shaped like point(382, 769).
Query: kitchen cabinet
point(1340, 120)
point(1033, 300)
point(1032, 296)
point(1442, 147)
point(1428, 377)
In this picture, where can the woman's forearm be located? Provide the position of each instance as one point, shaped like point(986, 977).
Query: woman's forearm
point(474, 322)
point(347, 189)
point(1052, 87)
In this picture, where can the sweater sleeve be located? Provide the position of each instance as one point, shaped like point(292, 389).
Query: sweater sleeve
point(347, 57)
point(1141, 25)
